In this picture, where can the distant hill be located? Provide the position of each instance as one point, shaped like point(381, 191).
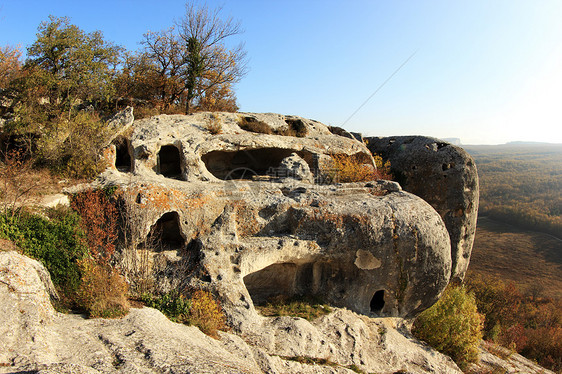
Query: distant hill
point(530, 143)
point(454, 141)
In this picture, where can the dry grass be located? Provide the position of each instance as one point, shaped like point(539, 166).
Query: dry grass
point(355, 168)
point(306, 308)
point(295, 127)
point(103, 291)
point(253, 125)
point(215, 125)
point(8, 245)
point(307, 360)
point(529, 259)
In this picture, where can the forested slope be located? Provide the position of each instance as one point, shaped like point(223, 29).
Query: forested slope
point(521, 184)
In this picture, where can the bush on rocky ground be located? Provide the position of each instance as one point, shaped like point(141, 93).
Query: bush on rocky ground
point(201, 309)
point(453, 326)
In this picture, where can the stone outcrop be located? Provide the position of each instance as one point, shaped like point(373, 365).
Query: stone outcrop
point(238, 212)
point(36, 339)
point(445, 176)
point(25, 308)
point(183, 147)
point(360, 246)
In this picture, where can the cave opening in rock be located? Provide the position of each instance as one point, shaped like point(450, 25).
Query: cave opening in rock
point(245, 164)
point(377, 302)
point(331, 282)
point(169, 161)
point(122, 155)
point(166, 233)
point(270, 282)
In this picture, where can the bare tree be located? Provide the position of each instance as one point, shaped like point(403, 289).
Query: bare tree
point(209, 62)
point(191, 60)
point(168, 56)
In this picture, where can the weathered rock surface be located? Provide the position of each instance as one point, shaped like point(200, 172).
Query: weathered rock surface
point(494, 358)
point(36, 339)
point(445, 176)
point(146, 342)
point(238, 212)
point(25, 308)
point(121, 121)
point(295, 167)
point(251, 241)
point(157, 142)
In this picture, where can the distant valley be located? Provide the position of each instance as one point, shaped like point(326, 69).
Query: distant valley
point(520, 220)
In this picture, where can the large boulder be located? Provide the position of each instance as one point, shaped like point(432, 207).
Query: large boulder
point(25, 306)
point(445, 176)
point(187, 147)
point(207, 208)
point(369, 247)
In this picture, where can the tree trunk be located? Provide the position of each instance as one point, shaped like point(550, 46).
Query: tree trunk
point(188, 100)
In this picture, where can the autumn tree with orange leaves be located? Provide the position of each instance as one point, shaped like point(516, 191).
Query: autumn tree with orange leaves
point(189, 64)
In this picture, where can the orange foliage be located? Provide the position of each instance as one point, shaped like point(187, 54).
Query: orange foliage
point(531, 325)
point(102, 291)
point(99, 222)
point(10, 64)
point(346, 169)
point(206, 313)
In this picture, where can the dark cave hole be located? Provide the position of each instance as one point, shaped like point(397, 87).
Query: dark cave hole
point(377, 302)
point(245, 164)
point(166, 233)
point(272, 281)
point(169, 162)
point(122, 155)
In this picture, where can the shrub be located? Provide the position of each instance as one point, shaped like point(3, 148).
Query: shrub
point(58, 243)
point(253, 125)
point(201, 310)
point(453, 326)
point(99, 222)
point(383, 167)
point(102, 291)
point(71, 146)
point(17, 182)
point(296, 128)
point(346, 169)
point(498, 301)
point(215, 126)
point(146, 112)
point(173, 304)
point(206, 313)
point(530, 325)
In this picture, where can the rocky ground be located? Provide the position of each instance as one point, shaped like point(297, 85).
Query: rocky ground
point(37, 339)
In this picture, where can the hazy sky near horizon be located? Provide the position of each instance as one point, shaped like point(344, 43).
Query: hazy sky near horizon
point(484, 71)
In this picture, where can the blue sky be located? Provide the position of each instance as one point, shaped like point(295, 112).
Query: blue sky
point(487, 72)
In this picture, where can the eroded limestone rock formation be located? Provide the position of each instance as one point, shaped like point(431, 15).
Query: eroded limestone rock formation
point(445, 176)
point(35, 338)
point(234, 203)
